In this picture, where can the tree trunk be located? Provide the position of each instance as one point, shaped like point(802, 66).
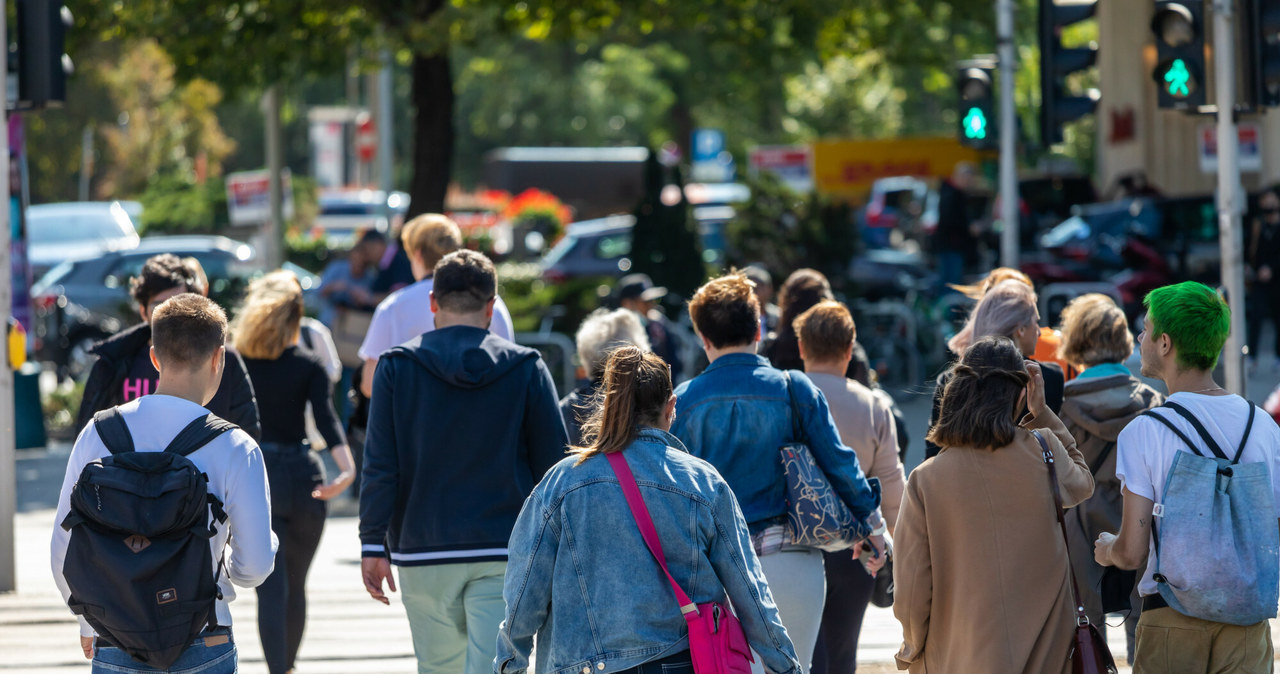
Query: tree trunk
point(433, 133)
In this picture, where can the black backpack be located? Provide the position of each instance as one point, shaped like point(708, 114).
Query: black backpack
point(138, 562)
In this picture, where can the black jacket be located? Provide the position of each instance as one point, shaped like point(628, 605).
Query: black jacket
point(462, 425)
point(104, 388)
point(1054, 381)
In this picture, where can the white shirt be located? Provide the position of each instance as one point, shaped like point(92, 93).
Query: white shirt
point(1146, 449)
point(237, 476)
point(406, 313)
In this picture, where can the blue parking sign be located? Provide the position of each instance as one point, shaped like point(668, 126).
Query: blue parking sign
point(707, 144)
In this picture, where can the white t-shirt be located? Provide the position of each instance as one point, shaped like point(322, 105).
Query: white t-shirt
point(237, 476)
point(406, 313)
point(1146, 449)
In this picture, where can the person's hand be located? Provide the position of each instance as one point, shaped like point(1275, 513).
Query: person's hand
point(339, 484)
point(872, 553)
point(1264, 273)
point(1035, 391)
point(375, 570)
point(86, 645)
point(1102, 548)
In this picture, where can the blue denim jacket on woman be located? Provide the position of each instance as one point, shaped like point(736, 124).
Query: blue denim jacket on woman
point(580, 577)
point(737, 415)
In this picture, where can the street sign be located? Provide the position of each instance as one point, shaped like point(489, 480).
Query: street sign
point(249, 197)
point(366, 137)
point(1250, 153)
point(711, 162)
point(792, 164)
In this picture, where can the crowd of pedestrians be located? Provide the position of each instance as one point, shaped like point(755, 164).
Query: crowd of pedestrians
point(612, 523)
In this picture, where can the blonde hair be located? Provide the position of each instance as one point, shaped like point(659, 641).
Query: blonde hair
point(1094, 331)
point(432, 236)
point(270, 316)
point(636, 389)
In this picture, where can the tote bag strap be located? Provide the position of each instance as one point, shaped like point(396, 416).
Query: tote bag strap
point(797, 426)
point(1081, 618)
point(644, 522)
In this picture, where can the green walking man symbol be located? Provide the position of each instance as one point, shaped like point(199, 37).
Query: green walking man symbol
point(975, 124)
point(1178, 78)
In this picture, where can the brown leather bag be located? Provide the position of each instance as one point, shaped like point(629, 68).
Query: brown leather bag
point(1089, 653)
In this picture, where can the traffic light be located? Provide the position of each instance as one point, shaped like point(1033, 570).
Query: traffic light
point(1180, 62)
point(1264, 43)
point(976, 113)
point(42, 67)
point(1057, 105)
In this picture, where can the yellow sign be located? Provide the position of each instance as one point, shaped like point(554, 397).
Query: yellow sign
point(847, 168)
point(17, 338)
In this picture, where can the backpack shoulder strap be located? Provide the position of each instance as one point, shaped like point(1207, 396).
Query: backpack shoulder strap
point(1248, 428)
point(200, 432)
point(1200, 429)
point(1152, 413)
point(113, 431)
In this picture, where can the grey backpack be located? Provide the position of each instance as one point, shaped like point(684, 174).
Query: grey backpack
point(1217, 544)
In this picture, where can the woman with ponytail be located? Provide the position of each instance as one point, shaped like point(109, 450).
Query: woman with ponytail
point(579, 575)
point(286, 377)
point(981, 574)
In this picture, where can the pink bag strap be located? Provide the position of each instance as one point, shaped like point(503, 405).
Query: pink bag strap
point(644, 522)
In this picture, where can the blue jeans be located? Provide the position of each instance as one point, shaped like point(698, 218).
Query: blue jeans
point(672, 664)
point(197, 659)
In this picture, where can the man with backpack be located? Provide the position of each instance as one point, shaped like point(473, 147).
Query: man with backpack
point(462, 425)
point(154, 489)
point(1200, 489)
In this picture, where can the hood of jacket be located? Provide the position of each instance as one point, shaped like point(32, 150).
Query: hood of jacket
point(1103, 406)
point(123, 344)
point(464, 356)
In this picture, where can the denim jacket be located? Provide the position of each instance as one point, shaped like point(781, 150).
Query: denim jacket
point(580, 577)
point(737, 415)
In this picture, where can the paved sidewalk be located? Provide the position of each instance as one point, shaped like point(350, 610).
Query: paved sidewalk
point(346, 633)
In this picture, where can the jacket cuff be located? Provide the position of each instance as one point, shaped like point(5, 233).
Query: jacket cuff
point(373, 549)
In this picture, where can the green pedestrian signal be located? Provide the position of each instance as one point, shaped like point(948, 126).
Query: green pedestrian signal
point(975, 124)
point(1178, 77)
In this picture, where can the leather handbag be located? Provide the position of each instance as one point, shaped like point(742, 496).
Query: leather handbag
point(717, 644)
point(1089, 653)
point(816, 517)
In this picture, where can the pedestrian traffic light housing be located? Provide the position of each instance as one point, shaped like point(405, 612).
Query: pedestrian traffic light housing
point(1057, 104)
point(1180, 57)
point(42, 67)
point(976, 111)
point(1263, 40)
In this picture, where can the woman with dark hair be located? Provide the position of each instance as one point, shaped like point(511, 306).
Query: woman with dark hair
point(980, 570)
point(579, 575)
point(800, 292)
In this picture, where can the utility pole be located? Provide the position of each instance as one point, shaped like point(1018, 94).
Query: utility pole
point(1008, 136)
point(86, 161)
point(8, 428)
point(273, 242)
point(386, 128)
point(1230, 203)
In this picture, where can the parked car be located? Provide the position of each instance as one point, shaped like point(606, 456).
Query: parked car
point(343, 213)
point(76, 230)
point(79, 302)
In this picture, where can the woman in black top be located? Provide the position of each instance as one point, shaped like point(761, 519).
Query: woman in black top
point(288, 377)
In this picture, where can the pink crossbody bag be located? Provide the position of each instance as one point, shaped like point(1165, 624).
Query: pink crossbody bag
point(717, 644)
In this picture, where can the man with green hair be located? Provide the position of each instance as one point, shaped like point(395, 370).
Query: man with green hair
point(1183, 334)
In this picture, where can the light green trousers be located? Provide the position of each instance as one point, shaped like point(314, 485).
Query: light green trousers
point(454, 613)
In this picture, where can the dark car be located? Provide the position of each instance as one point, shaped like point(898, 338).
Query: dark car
point(80, 302)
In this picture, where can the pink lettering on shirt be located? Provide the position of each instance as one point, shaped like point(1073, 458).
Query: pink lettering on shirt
point(136, 388)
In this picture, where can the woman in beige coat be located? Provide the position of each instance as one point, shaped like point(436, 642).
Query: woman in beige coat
point(980, 569)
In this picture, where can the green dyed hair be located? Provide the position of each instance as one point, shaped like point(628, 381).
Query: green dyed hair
point(1196, 319)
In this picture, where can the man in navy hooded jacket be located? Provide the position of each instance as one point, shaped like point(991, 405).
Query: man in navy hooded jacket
point(462, 425)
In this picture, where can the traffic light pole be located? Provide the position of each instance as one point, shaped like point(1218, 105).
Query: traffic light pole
point(8, 430)
point(1008, 137)
point(1230, 194)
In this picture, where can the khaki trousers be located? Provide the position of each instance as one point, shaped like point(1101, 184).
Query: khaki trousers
point(1171, 643)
